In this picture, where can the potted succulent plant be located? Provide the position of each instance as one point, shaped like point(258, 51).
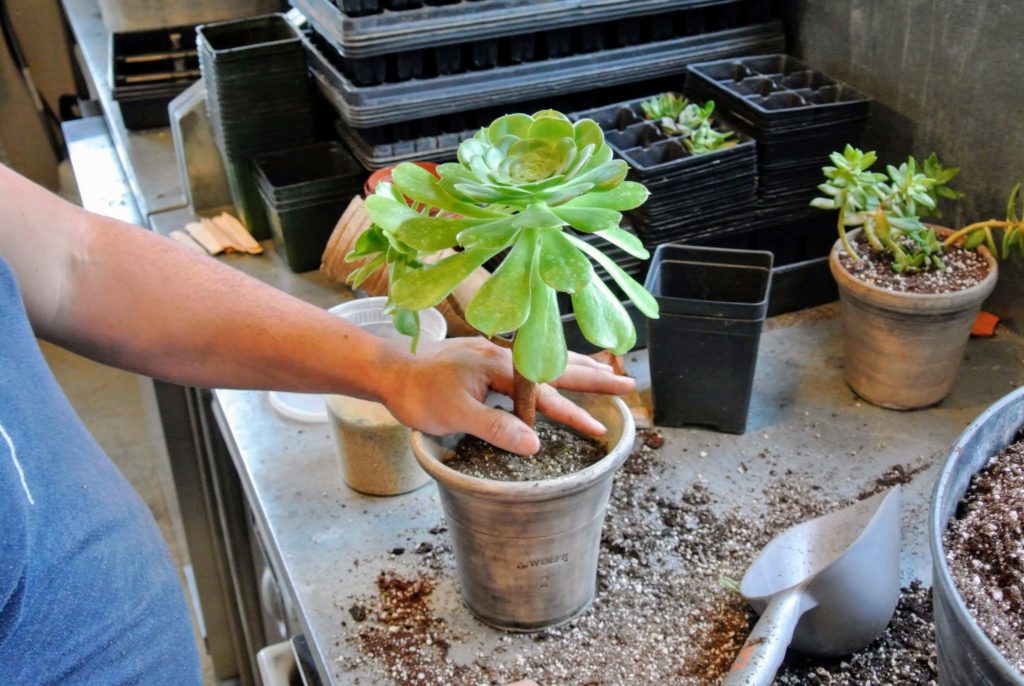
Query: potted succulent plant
point(526, 550)
point(909, 291)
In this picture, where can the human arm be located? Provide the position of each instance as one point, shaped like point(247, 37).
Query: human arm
point(131, 299)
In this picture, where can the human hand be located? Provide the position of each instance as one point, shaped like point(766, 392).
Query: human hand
point(442, 388)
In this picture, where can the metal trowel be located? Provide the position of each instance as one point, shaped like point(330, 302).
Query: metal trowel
point(828, 586)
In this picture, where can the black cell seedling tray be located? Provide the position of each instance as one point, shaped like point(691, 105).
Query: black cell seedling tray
point(690, 193)
point(364, 107)
point(364, 28)
point(437, 138)
point(148, 69)
point(777, 92)
point(796, 114)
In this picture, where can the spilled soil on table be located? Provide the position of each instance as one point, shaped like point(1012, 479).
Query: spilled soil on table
point(665, 611)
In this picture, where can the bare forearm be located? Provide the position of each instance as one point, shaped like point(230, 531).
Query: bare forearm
point(143, 303)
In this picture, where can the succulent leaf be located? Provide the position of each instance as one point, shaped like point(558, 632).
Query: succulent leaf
point(539, 351)
point(503, 303)
point(562, 266)
point(602, 319)
point(430, 285)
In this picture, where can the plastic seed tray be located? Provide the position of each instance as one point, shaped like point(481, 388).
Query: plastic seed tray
point(366, 107)
point(148, 69)
point(500, 51)
point(363, 28)
point(437, 138)
point(777, 92)
point(687, 190)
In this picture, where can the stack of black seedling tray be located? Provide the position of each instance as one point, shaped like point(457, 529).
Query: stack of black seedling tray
point(148, 69)
point(259, 98)
point(691, 195)
point(305, 190)
point(797, 115)
point(460, 85)
point(365, 28)
point(437, 138)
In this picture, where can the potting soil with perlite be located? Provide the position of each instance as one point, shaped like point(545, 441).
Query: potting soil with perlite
point(662, 614)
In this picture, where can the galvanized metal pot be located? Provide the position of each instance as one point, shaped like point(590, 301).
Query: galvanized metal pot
point(527, 551)
point(903, 350)
point(966, 656)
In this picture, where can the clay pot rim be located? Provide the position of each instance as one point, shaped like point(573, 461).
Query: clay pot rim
point(384, 174)
point(915, 302)
point(520, 491)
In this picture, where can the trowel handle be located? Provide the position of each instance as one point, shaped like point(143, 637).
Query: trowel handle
point(761, 655)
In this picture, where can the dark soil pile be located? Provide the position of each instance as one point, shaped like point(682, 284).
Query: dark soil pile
point(561, 452)
point(904, 654)
point(964, 268)
point(985, 550)
point(664, 611)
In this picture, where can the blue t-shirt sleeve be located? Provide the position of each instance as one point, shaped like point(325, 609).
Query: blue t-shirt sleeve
point(88, 592)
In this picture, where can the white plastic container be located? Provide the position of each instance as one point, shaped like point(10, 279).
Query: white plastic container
point(373, 446)
point(136, 15)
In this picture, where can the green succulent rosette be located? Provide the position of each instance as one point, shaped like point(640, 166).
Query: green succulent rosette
point(518, 184)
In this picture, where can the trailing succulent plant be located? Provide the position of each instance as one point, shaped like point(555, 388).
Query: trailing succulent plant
point(888, 208)
point(521, 188)
point(677, 116)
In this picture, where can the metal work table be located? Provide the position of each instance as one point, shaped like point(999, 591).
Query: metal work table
point(146, 156)
point(316, 529)
point(319, 528)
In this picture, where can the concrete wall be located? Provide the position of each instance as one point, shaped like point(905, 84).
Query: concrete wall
point(948, 77)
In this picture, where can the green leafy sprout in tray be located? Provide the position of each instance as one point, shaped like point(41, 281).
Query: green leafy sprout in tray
point(677, 116)
point(518, 184)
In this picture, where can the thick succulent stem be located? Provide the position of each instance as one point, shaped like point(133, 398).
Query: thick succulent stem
point(842, 237)
point(967, 230)
point(524, 391)
point(524, 398)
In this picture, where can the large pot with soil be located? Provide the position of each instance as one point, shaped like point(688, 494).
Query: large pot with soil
point(979, 573)
point(526, 551)
point(902, 349)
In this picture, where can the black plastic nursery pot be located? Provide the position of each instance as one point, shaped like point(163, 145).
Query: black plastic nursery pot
point(703, 347)
point(301, 231)
point(966, 655)
point(305, 190)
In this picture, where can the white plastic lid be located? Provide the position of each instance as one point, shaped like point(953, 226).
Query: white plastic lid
point(302, 407)
point(368, 313)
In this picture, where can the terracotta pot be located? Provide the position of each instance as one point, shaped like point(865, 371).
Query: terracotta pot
point(385, 175)
point(526, 551)
point(353, 222)
point(903, 350)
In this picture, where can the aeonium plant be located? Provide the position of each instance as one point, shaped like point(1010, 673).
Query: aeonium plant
point(521, 187)
point(888, 208)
